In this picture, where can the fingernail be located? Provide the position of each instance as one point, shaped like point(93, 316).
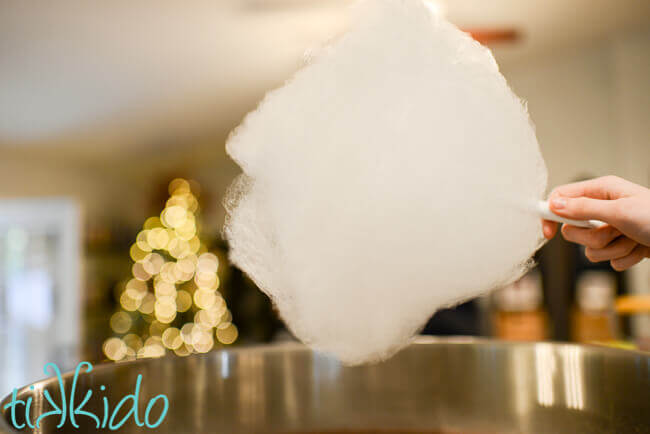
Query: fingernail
point(558, 202)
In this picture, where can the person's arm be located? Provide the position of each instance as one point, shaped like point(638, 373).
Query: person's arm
point(623, 205)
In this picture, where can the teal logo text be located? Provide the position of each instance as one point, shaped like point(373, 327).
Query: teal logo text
point(71, 407)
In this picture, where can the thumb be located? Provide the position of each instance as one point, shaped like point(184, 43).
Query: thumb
point(584, 208)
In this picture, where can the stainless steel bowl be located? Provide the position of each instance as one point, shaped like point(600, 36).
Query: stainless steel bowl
point(458, 385)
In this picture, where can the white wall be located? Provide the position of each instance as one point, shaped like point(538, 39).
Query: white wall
point(568, 96)
point(104, 193)
point(631, 95)
point(591, 107)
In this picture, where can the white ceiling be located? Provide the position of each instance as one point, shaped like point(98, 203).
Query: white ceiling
point(102, 78)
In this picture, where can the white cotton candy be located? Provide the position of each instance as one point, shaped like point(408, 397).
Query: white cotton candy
point(390, 177)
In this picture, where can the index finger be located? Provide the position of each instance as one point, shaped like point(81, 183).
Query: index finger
point(604, 188)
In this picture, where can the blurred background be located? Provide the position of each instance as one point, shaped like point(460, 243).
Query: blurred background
point(113, 118)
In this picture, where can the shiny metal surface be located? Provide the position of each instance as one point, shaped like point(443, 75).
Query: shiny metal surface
point(462, 385)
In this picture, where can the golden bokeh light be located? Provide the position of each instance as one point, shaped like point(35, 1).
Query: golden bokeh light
point(227, 333)
point(204, 298)
point(179, 186)
point(181, 200)
point(151, 222)
point(139, 272)
point(183, 301)
point(129, 303)
point(227, 316)
point(171, 338)
point(136, 290)
point(205, 344)
point(156, 328)
point(120, 322)
point(136, 285)
point(158, 238)
point(153, 263)
point(167, 272)
point(206, 280)
point(187, 230)
point(141, 241)
point(133, 341)
point(179, 248)
point(137, 254)
point(147, 304)
point(152, 348)
point(173, 216)
point(188, 263)
point(208, 262)
point(114, 348)
point(183, 351)
point(165, 309)
point(186, 332)
point(164, 287)
point(195, 245)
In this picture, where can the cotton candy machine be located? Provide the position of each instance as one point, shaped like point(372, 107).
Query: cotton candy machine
point(469, 386)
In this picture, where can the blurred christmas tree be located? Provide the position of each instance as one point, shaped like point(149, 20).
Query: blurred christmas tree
point(172, 302)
